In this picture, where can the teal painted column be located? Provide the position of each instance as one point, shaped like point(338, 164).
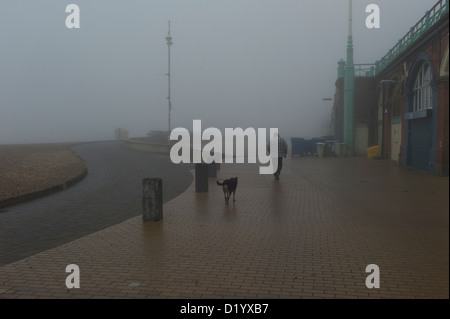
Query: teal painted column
point(349, 91)
point(341, 68)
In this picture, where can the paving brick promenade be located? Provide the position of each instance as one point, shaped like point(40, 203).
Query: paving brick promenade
point(310, 234)
point(111, 193)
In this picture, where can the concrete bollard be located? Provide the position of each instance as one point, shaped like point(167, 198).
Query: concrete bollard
point(152, 199)
point(212, 169)
point(201, 177)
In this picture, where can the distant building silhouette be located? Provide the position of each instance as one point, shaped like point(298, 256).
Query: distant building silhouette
point(121, 134)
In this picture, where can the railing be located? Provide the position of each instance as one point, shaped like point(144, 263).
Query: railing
point(428, 20)
point(362, 70)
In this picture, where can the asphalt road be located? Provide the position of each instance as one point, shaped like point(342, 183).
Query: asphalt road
point(110, 194)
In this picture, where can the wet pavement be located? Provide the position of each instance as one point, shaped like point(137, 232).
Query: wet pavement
point(111, 193)
point(310, 234)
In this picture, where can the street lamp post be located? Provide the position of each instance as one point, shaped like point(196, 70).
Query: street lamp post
point(169, 43)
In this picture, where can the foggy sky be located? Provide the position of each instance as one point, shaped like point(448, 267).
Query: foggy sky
point(234, 63)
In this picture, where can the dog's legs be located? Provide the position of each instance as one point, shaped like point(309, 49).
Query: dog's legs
point(227, 196)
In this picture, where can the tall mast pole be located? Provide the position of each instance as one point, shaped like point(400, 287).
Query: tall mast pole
point(169, 43)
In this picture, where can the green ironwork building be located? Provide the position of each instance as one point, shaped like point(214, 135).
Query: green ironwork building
point(400, 102)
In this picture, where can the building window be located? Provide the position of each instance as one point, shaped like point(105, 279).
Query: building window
point(423, 96)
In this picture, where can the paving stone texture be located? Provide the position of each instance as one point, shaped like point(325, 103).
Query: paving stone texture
point(310, 234)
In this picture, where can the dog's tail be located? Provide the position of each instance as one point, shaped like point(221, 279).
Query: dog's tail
point(220, 184)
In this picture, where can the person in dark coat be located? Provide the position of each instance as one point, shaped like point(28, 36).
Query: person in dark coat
point(282, 151)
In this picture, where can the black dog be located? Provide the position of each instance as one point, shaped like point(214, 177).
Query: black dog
point(229, 187)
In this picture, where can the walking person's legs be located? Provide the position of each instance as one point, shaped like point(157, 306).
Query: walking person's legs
point(280, 164)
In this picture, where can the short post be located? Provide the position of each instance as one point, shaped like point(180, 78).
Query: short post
point(152, 199)
point(212, 169)
point(201, 177)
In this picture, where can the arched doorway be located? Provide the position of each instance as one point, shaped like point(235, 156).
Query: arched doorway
point(421, 115)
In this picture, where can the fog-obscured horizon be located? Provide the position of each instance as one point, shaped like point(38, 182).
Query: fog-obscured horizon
point(234, 63)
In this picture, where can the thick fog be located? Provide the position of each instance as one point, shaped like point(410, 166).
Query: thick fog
point(234, 63)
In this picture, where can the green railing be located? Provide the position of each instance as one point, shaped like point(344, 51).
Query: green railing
point(428, 20)
point(363, 70)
